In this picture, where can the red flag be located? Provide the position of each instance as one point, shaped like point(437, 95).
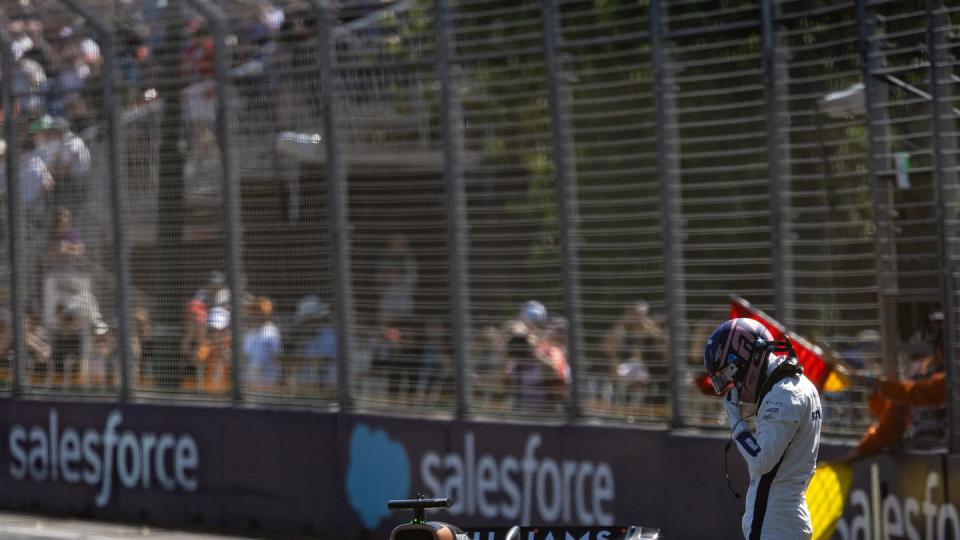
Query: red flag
point(809, 355)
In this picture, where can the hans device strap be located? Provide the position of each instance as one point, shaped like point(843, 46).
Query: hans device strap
point(788, 368)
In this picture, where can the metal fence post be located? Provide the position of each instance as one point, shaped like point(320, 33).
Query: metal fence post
point(671, 217)
point(13, 232)
point(566, 201)
point(121, 276)
point(230, 192)
point(882, 191)
point(337, 202)
point(778, 167)
point(452, 126)
point(944, 230)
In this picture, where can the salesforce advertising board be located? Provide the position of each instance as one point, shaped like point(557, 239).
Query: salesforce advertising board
point(102, 458)
point(90, 458)
point(496, 474)
point(318, 473)
point(903, 497)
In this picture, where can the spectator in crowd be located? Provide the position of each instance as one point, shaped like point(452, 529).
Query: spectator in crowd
point(132, 53)
point(636, 347)
point(29, 77)
point(397, 277)
point(198, 61)
point(914, 407)
point(144, 348)
point(488, 371)
point(538, 373)
point(66, 352)
point(394, 362)
point(79, 64)
point(367, 339)
point(35, 178)
point(103, 371)
point(35, 183)
point(194, 335)
point(65, 281)
point(865, 352)
point(314, 346)
point(259, 29)
point(66, 157)
point(531, 319)
point(38, 349)
point(213, 293)
point(551, 348)
point(526, 374)
point(436, 374)
point(40, 50)
point(844, 408)
point(262, 347)
point(212, 359)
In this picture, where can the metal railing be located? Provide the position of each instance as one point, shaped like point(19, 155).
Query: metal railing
point(474, 207)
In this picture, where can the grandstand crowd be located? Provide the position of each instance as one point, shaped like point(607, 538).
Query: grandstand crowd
point(73, 345)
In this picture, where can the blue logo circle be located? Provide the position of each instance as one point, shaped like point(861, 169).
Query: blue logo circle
point(379, 470)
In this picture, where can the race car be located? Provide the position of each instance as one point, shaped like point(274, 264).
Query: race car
point(420, 529)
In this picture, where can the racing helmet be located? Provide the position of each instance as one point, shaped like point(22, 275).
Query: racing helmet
point(736, 355)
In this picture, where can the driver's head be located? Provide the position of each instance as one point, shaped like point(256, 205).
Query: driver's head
point(736, 356)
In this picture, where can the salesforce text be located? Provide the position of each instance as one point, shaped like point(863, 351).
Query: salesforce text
point(910, 519)
point(513, 487)
point(44, 453)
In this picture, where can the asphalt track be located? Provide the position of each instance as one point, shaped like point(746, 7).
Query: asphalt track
point(30, 527)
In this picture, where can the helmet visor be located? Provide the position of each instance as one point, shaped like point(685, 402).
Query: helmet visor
point(723, 380)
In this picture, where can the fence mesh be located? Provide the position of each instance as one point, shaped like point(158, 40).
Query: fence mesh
point(389, 95)
point(607, 66)
point(67, 287)
point(944, 19)
point(903, 124)
point(831, 212)
point(514, 285)
point(725, 101)
point(722, 163)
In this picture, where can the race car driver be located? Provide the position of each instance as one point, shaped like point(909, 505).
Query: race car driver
point(761, 379)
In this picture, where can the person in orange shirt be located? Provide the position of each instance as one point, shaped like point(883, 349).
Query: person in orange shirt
point(213, 355)
point(914, 406)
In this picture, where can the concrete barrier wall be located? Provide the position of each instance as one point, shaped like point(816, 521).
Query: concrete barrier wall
point(311, 472)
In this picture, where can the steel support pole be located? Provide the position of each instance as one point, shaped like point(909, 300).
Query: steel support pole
point(671, 216)
point(218, 22)
point(118, 222)
point(881, 189)
point(169, 320)
point(945, 231)
point(778, 167)
point(14, 219)
point(337, 205)
point(452, 126)
point(567, 211)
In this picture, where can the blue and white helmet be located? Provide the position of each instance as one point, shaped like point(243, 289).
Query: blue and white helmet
point(735, 356)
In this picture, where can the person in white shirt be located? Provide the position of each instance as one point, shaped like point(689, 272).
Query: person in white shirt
point(68, 159)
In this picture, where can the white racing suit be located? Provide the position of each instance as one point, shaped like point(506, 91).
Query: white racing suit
point(781, 457)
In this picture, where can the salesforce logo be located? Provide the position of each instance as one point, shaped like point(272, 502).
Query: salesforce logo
point(525, 488)
point(379, 470)
point(103, 458)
